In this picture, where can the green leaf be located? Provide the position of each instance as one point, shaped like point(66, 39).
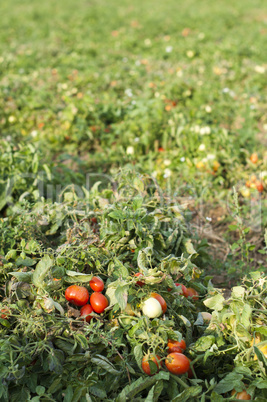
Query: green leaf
point(138, 354)
point(188, 394)
point(204, 343)
point(22, 276)
point(117, 215)
point(246, 316)
point(130, 391)
point(27, 262)
point(40, 390)
point(98, 392)
point(105, 364)
point(73, 277)
point(215, 303)
point(229, 382)
point(55, 386)
point(41, 271)
point(121, 295)
point(68, 394)
point(238, 292)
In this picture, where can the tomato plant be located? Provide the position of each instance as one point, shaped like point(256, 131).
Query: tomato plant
point(161, 300)
point(99, 302)
point(86, 311)
point(77, 295)
point(148, 361)
point(176, 346)
point(177, 363)
point(96, 284)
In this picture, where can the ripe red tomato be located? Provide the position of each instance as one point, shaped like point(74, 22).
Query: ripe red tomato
point(243, 395)
point(260, 187)
point(184, 289)
point(162, 302)
point(99, 302)
point(5, 312)
point(176, 346)
point(145, 363)
point(86, 311)
point(177, 363)
point(77, 295)
point(192, 293)
point(139, 283)
point(96, 284)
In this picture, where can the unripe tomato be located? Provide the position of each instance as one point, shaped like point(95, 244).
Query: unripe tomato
point(177, 363)
point(99, 302)
point(139, 283)
point(176, 346)
point(243, 395)
point(86, 311)
point(161, 301)
point(192, 293)
point(77, 295)
point(152, 308)
point(183, 290)
point(145, 363)
point(96, 284)
point(254, 157)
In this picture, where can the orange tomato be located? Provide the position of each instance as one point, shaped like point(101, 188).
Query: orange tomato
point(254, 157)
point(243, 395)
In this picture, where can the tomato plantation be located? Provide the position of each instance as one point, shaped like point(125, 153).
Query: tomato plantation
point(133, 201)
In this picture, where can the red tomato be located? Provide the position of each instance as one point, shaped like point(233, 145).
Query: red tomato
point(96, 284)
point(161, 149)
point(145, 363)
point(161, 301)
point(183, 290)
point(77, 295)
point(177, 363)
point(243, 395)
point(192, 293)
point(99, 302)
point(5, 312)
point(139, 283)
point(260, 187)
point(86, 311)
point(176, 346)
point(94, 220)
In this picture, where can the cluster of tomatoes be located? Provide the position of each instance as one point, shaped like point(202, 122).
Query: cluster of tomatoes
point(176, 362)
point(79, 296)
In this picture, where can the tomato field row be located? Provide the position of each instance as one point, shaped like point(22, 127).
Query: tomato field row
point(133, 182)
